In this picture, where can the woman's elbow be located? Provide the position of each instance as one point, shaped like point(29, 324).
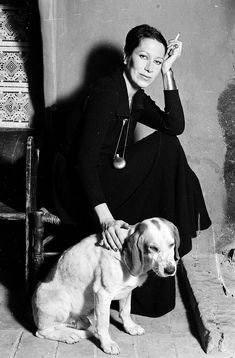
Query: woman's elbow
point(180, 129)
point(180, 123)
point(177, 128)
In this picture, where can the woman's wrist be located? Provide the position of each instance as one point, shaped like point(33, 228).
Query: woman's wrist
point(168, 80)
point(103, 213)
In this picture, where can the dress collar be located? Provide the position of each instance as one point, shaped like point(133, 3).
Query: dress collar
point(123, 109)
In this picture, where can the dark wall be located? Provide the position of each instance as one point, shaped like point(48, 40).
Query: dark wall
point(23, 28)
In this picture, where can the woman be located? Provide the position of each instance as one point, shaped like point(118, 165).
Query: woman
point(112, 181)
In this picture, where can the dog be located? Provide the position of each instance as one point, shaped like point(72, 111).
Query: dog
point(87, 277)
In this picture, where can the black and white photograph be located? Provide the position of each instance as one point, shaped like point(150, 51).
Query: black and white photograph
point(117, 178)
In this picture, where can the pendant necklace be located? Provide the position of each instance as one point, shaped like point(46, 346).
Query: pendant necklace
point(119, 162)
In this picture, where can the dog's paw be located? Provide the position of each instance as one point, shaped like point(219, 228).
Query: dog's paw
point(65, 335)
point(70, 338)
point(111, 348)
point(135, 330)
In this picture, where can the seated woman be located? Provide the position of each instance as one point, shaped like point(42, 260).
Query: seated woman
point(109, 180)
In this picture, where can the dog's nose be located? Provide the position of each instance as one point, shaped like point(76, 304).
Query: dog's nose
point(169, 270)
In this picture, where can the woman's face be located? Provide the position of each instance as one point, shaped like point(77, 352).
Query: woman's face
point(145, 62)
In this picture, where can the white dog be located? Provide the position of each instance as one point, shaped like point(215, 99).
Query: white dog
point(88, 277)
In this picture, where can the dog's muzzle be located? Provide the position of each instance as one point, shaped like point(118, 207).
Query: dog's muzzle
point(170, 270)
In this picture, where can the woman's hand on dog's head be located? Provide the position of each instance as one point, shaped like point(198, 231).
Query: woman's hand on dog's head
point(113, 235)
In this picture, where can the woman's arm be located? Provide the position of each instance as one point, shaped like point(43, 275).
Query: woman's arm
point(171, 120)
point(100, 103)
point(169, 81)
point(95, 122)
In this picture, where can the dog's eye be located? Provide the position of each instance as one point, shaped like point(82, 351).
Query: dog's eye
point(154, 248)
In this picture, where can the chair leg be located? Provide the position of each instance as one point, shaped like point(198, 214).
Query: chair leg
point(37, 249)
point(27, 250)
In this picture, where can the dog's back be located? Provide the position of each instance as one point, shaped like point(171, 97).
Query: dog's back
point(70, 281)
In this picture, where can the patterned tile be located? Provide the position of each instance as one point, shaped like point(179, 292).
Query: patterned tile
point(12, 18)
point(12, 66)
point(16, 109)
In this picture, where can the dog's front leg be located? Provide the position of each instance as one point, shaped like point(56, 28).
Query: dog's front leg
point(102, 303)
point(124, 312)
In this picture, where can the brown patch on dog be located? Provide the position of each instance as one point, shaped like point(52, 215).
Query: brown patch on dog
point(141, 227)
point(156, 223)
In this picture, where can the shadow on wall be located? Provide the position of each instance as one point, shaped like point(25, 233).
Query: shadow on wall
point(63, 118)
point(226, 113)
point(62, 115)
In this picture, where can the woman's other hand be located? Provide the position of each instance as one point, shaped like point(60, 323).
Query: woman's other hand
point(112, 234)
point(174, 50)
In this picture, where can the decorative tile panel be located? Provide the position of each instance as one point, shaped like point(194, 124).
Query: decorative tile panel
point(12, 66)
point(12, 18)
point(16, 109)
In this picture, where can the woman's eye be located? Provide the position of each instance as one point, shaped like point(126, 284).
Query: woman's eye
point(158, 62)
point(143, 56)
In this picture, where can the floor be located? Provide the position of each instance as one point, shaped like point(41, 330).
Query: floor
point(170, 336)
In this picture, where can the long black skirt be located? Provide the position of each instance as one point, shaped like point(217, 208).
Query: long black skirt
point(156, 182)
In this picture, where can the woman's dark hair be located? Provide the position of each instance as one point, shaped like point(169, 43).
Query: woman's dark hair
point(140, 32)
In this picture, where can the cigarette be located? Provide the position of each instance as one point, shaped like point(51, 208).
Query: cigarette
point(178, 35)
point(175, 46)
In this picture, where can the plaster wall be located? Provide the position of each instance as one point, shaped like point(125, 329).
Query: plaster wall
point(75, 33)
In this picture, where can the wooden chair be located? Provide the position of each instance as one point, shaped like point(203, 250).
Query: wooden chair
point(40, 239)
point(45, 226)
point(10, 214)
point(34, 218)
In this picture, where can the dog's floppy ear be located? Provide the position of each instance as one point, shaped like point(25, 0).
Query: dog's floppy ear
point(177, 242)
point(133, 252)
point(176, 236)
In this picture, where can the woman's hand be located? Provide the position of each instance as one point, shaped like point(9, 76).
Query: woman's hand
point(174, 50)
point(112, 235)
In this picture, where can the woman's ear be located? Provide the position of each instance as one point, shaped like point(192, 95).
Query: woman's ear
point(124, 58)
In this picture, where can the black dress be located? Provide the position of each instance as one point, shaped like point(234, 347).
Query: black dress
point(157, 180)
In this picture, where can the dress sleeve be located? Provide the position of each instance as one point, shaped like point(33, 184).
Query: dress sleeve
point(99, 104)
point(171, 120)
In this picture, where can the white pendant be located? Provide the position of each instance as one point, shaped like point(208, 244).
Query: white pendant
point(119, 162)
